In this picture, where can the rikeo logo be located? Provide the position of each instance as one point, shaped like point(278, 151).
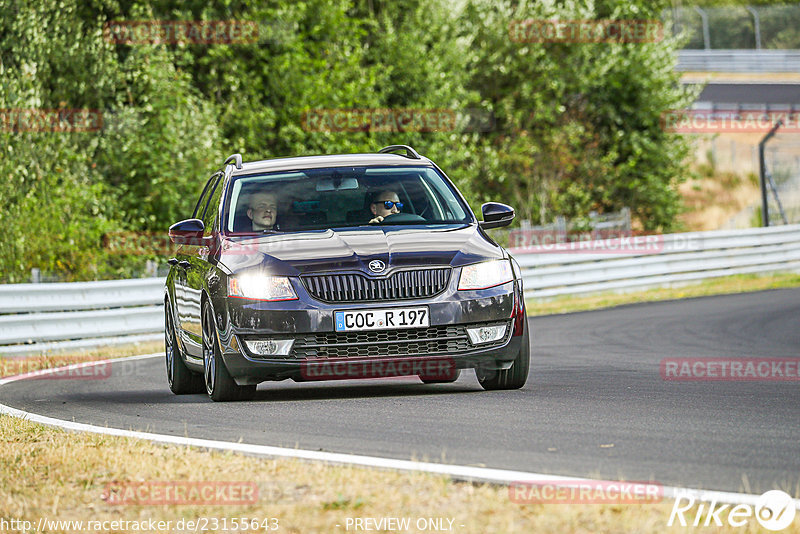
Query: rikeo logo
point(774, 510)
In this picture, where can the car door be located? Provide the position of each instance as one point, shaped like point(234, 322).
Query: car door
point(194, 259)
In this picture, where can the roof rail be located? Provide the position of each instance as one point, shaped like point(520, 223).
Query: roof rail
point(237, 159)
point(410, 152)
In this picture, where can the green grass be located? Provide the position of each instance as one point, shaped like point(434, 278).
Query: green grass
point(49, 473)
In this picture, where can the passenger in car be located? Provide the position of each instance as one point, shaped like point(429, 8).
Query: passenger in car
point(383, 204)
point(263, 211)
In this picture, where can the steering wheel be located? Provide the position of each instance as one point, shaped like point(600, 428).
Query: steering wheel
point(402, 217)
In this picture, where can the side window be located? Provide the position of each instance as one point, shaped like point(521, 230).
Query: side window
point(203, 200)
point(210, 210)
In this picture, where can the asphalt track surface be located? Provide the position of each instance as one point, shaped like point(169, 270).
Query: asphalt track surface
point(751, 93)
point(595, 404)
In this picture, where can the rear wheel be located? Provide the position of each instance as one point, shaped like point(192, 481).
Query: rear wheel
point(515, 376)
point(218, 382)
point(180, 379)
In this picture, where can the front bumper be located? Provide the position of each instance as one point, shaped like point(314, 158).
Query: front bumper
point(310, 322)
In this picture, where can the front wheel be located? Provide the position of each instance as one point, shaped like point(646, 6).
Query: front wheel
point(515, 376)
point(219, 384)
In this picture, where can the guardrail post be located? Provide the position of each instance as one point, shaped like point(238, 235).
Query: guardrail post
point(762, 171)
point(36, 275)
point(757, 26)
point(706, 32)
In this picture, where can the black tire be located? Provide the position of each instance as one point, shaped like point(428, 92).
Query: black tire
point(515, 376)
point(180, 378)
point(217, 381)
point(441, 381)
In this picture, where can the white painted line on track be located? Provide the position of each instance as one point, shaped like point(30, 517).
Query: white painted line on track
point(458, 472)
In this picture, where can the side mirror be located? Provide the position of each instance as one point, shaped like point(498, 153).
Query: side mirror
point(188, 232)
point(496, 215)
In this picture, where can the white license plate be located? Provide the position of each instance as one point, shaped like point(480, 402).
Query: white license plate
point(381, 319)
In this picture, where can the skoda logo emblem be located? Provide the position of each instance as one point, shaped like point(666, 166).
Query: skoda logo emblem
point(376, 266)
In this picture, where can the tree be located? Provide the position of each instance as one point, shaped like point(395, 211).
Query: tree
point(579, 124)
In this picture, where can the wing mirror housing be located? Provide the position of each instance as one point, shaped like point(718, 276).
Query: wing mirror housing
point(187, 232)
point(496, 215)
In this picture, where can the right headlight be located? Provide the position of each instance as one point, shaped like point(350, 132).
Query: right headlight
point(485, 275)
point(261, 287)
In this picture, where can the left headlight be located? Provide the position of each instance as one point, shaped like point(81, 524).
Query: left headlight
point(485, 275)
point(261, 287)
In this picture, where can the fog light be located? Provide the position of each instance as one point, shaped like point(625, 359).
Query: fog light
point(486, 334)
point(270, 347)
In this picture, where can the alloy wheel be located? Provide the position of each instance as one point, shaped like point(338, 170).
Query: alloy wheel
point(209, 359)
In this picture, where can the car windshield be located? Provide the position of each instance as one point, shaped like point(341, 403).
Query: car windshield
point(313, 199)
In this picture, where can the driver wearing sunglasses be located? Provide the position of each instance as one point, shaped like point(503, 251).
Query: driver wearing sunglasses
point(384, 204)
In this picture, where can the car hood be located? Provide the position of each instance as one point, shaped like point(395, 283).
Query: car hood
point(349, 249)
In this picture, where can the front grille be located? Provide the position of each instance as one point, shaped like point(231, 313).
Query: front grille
point(355, 287)
point(376, 343)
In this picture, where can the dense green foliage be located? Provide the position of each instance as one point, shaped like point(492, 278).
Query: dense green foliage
point(577, 126)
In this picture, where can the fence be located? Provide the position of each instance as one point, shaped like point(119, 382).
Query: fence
point(47, 317)
point(737, 27)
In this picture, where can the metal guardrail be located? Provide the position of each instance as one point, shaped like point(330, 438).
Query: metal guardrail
point(746, 61)
point(674, 259)
point(15, 298)
point(37, 318)
point(24, 328)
